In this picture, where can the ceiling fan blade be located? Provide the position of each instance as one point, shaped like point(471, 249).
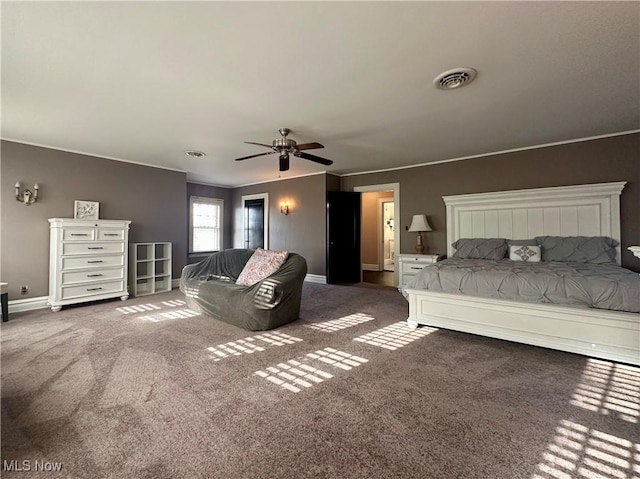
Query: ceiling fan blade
point(315, 158)
point(309, 146)
point(259, 144)
point(253, 156)
point(284, 162)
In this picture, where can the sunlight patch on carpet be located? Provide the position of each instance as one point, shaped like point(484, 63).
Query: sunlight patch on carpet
point(610, 389)
point(144, 308)
point(341, 323)
point(298, 374)
point(579, 451)
point(175, 314)
point(251, 345)
point(394, 336)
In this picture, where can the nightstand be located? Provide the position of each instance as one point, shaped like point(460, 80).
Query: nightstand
point(411, 264)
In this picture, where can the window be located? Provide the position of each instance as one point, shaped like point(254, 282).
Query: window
point(205, 233)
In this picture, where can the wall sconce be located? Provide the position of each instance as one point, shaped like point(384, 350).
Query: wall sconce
point(26, 196)
point(419, 224)
point(284, 207)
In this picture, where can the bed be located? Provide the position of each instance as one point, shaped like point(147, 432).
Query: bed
point(583, 210)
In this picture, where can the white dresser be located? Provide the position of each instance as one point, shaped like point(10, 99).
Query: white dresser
point(87, 260)
point(411, 264)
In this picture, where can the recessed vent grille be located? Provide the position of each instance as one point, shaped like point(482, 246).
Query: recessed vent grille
point(455, 78)
point(195, 153)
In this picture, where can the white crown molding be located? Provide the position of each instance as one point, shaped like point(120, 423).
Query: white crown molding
point(282, 179)
point(368, 172)
point(77, 152)
point(513, 150)
point(204, 183)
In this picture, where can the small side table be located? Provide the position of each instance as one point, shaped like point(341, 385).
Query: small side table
point(4, 298)
point(411, 264)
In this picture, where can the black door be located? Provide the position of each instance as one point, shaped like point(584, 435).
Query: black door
point(343, 237)
point(254, 223)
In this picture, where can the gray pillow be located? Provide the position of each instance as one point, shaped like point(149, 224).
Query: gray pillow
point(480, 248)
point(579, 249)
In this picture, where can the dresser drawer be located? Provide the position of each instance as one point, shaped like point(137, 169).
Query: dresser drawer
point(110, 235)
point(94, 289)
point(92, 248)
point(91, 262)
point(78, 234)
point(92, 275)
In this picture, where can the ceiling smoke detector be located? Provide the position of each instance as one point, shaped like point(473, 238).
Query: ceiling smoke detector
point(455, 78)
point(195, 153)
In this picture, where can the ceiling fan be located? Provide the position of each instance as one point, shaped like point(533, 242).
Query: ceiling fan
point(285, 147)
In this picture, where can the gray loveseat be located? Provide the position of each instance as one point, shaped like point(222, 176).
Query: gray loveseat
point(209, 287)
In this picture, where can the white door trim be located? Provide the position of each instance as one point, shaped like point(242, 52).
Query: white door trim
point(381, 230)
point(395, 187)
point(258, 196)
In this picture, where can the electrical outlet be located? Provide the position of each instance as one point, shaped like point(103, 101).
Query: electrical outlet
point(24, 289)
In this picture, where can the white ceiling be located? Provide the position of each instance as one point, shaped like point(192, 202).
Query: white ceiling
point(144, 81)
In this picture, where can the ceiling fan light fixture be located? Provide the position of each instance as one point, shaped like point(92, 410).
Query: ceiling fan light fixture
point(456, 78)
point(195, 153)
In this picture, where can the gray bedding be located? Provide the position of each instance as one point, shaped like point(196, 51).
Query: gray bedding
point(603, 286)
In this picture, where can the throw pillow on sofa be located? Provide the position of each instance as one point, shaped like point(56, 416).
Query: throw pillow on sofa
point(263, 263)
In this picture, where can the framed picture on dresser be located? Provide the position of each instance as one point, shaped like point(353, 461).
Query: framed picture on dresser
point(86, 210)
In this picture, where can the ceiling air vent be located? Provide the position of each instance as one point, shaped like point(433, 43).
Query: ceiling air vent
point(195, 153)
point(455, 78)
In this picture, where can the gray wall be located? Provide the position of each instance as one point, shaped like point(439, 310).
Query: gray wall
point(218, 192)
point(152, 198)
point(595, 161)
point(303, 230)
point(333, 183)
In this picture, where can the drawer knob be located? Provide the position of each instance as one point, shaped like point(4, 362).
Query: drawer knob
point(79, 234)
point(95, 261)
point(94, 275)
point(111, 234)
point(94, 289)
point(95, 247)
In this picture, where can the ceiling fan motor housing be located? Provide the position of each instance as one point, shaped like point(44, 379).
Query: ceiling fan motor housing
point(284, 144)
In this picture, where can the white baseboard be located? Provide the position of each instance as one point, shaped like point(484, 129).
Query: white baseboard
point(370, 267)
point(316, 278)
point(29, 304)
point(41, 302)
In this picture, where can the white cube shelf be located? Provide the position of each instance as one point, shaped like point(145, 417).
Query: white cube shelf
point(150, 268)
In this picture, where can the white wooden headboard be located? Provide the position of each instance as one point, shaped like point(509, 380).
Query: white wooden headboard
point(581, 210)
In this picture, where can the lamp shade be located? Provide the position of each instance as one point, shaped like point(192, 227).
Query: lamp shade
point(419, 223)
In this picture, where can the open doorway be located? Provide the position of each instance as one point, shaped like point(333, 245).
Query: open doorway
point(380, 240)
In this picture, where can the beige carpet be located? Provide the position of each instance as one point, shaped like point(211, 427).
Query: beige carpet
point(148, 389)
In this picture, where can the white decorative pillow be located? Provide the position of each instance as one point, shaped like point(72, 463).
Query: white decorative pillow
point(530, 254)
point(263, 263)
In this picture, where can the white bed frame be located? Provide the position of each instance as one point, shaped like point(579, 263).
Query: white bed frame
point(584, 210)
